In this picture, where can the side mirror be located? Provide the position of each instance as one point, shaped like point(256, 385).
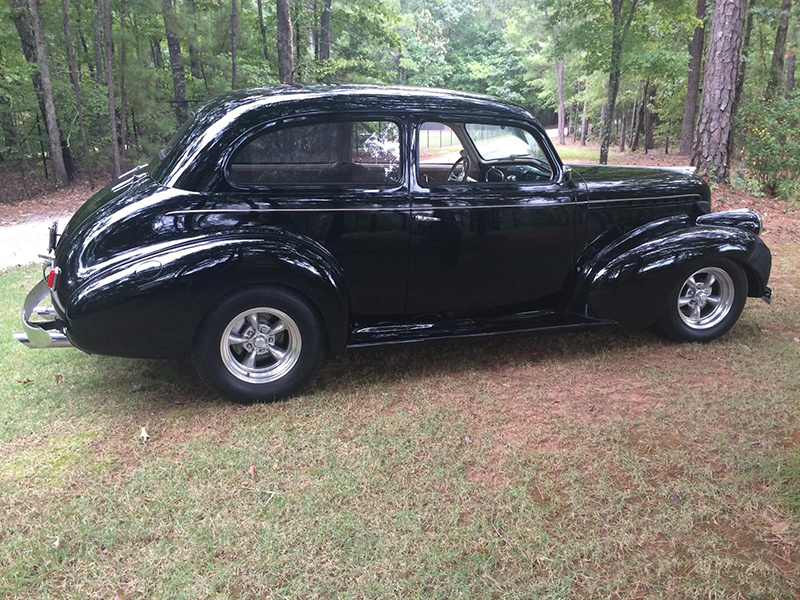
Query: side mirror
point(566, 175)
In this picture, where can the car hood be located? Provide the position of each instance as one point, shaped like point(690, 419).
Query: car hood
point(602, 182)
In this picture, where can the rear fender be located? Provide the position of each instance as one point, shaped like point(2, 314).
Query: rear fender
point(152, 307)
point(629, 280)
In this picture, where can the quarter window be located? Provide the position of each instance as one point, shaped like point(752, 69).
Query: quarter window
point(343, 152)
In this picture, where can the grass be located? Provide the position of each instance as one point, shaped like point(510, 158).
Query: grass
point(586, 465)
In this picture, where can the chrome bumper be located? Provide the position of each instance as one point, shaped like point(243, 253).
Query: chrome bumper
point(45, 332)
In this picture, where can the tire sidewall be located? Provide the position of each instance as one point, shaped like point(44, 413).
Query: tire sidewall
point(206, 349)
point(675, 327)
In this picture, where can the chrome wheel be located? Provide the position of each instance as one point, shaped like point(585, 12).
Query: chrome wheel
point(706, 298)
point(260, 345)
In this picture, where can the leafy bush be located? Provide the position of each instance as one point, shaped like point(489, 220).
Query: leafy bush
point(789, 191)
point(771, 141)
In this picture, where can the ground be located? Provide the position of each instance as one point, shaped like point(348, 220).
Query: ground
point(596, 464)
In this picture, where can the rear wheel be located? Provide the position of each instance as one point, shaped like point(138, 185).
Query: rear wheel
point(706, 303)
point(259, 343)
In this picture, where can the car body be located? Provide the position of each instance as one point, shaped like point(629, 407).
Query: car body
point(338, 197)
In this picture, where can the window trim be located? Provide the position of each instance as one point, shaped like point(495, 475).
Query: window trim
point(311, 119)
point(463, 119)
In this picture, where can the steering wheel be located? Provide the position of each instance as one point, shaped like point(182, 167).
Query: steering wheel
point(464, 162)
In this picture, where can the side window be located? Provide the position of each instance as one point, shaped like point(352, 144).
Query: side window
point(438, 144)
point(345, 152)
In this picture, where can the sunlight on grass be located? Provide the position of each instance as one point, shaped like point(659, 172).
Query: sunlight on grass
point(587, 465)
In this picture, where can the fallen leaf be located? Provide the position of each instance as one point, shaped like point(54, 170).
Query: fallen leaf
point(59, 378)
point(57, 543)
point(674, 498)
point(144, 435)
point(252, 472)
point(467, 439)
point(25, 381)
point(780, 527)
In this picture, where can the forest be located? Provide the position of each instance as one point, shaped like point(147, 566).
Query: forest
point(92, 87)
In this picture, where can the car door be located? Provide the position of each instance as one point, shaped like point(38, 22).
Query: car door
point(478, 247)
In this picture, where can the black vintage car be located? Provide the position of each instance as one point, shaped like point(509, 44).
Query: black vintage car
point(280, 224)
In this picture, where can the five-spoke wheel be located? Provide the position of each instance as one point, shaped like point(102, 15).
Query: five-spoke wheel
point(706, 303)
point(259, 343)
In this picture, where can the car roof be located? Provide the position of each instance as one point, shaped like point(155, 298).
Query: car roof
point(367, 97)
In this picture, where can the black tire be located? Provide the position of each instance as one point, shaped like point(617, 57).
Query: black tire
point(674, 326)
point(209, 356)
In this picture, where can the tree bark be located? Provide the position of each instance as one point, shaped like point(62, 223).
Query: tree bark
point(585, 122)
point(285, 53)
point(234, 27)
point(623, 131)
point(693, 83)
point(175, 62)
point(562, 116)
point(649, 120)
point(56, 154)
point(123, 97)
point(576, 88)
point(740, 74)
point(790, 66)
point(619, 32)
point(263, 29)
point(711, 155)
point(779, 51)
point(155, 52)
point(76, 87)
point(638, 125)
point(194, 53)
point(99, 66)
point(112, 112)
point(325, 32)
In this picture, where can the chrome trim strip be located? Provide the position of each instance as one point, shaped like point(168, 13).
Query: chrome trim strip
point(548, 204)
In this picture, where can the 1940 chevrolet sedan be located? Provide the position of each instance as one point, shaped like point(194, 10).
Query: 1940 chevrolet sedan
point(283, 223)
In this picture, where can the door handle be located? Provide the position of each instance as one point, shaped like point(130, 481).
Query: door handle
point(426, 219)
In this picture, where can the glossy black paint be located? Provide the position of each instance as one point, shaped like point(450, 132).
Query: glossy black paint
point(144, 259)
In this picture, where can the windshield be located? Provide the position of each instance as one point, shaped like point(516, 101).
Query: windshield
point(502, 142)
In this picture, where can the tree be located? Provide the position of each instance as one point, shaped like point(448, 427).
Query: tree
point(234, 26)
point(112, 112)
point(711, 154)
point(325, 32)
point(693, 83)
point(779, 51)
point(285, 52)
point(175, 62)
point(619, 32)
point(263, 29)
point(790, 65)
point(76, 87)
point(97, 43)
point(59, 169)
point(123, 97)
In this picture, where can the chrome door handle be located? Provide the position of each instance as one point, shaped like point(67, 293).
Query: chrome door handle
point(426, 219)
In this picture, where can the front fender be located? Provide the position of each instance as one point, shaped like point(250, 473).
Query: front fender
point(153, 306)
point(629, 280)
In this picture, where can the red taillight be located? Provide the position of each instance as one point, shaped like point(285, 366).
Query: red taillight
point(52, 276)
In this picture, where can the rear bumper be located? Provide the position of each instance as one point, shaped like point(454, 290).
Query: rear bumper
point(45, 332)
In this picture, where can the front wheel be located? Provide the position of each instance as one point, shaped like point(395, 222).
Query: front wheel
point(259, 343)
point(707, 303)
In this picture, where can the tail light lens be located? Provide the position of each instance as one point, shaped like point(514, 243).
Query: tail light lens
point(52, 277)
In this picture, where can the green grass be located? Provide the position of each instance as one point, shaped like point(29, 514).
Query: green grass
point(585, 465)
point(580, 154)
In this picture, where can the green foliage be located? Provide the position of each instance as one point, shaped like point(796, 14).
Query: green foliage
point(770, 133)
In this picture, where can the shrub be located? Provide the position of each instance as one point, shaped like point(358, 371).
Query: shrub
point(771, 141)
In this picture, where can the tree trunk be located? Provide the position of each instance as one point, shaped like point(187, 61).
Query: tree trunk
point(711, 156)
point(175, 62)
point(790, 66)
point(112, 112)
point(99, 67)
point(639, 122)
point(740, 74)
point(263, 29)
point(623, 131)
point(234, 27)
point(779, 51)
point(693, 83)
point(155, 52)
point(649, 121)
point(76, 87)
point(562, 116)
point(56, 154)
point(618, 33)
point(285, 53)
point(576, 88)
point(123, 99)
point(325, 32)
point(194, 53)
point(585, 122)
